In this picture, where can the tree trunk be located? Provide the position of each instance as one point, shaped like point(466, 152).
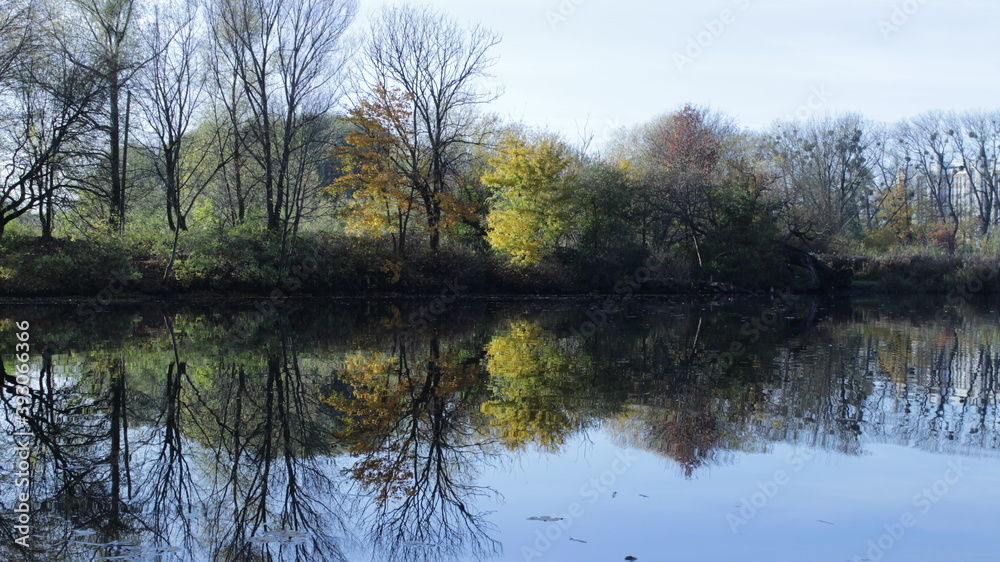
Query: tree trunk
point(823, 277)
point(115, 202)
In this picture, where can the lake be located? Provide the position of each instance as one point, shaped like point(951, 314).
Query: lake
point(764, 428)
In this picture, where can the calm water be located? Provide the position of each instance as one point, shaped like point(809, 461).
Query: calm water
point(485, 429)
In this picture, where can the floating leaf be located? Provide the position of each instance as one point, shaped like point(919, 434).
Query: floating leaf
point(417, 543)
point(287, 533)
point(280, 535)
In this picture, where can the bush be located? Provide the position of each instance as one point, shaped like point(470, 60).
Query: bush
point(741, 248)
point(909, 270)
point(245, 259)
point(31, 266)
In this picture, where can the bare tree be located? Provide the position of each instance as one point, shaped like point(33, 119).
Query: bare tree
point(284, 55)
point(46, 103)
point(437, 63)
point(173, 90)
point(825, 176)
point(105, 43)
point(977, 140)
point(175, 93)
point(932, 153)
point(16, 37)
point(238, 186)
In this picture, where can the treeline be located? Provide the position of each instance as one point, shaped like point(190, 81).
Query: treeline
point(212, 144)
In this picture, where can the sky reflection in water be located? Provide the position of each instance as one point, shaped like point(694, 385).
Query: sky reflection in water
point(338, 433)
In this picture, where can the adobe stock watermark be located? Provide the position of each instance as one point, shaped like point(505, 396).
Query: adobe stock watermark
point(964, 292)
point(818, 98)
point(590, 492)
point(562, 12)
point(624, 290)
point(712, 30)
point(22, 401)
point(753, 504)
point(421, 319)
point(900, 16)
point(754, 328)
point(923, 501)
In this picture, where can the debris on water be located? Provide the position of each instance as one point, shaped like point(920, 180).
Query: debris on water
point(545, 518)
point(113, 544)
point(577, 540)
point(280, 535)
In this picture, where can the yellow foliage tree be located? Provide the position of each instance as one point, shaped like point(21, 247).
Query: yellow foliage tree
point(894, 219)
point(531, 384)
point(532, 208)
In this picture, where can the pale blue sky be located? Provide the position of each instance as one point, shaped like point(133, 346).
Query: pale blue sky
point(570, 64)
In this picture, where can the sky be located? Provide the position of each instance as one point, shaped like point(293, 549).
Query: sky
point(589, 67)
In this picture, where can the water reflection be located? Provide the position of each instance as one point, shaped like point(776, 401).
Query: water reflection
point(322, 432)
point(415, 449)
point(533, 395)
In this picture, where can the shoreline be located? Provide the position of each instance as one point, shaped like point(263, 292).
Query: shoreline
point(201, 298)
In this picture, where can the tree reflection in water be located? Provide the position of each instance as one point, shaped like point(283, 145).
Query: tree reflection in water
point(533, 383)
point(318, 436)
point(416, 449)
point(272, 496)
point(229, 464)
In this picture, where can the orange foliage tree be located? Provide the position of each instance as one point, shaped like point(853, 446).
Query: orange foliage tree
point(389, 174)
point(375, 161)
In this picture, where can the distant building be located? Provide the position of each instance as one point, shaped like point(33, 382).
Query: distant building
point(954, 186)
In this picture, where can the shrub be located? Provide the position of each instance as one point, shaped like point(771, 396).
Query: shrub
point(65, 267)
point(244, 259)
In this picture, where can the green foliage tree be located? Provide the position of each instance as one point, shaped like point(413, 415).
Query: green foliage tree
point(740, 246)
point(609, 240)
